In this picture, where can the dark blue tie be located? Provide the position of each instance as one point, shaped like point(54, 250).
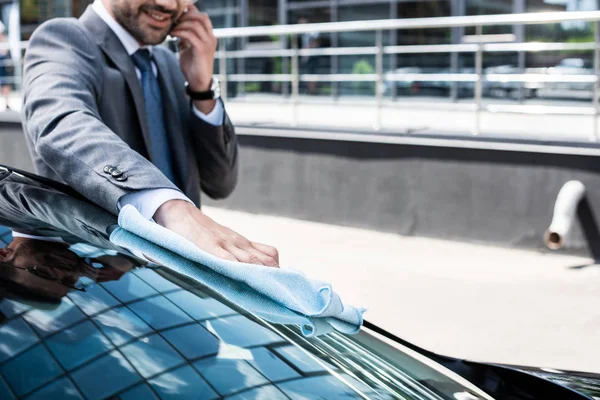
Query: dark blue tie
point(159, 143)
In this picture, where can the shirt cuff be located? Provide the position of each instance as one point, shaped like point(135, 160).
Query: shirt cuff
point(148, 201)
point(215, 117)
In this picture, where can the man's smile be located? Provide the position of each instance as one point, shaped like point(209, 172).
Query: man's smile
point(158, 19)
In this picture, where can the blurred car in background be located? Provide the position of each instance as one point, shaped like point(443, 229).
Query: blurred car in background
point(497, 82)
point(427, 86)
point(497, 85)
point(567, 90)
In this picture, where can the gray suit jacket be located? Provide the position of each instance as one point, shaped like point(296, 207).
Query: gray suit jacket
point(84, 110)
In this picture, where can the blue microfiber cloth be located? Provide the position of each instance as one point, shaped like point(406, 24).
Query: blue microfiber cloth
point(243, 296)
point(313, 303)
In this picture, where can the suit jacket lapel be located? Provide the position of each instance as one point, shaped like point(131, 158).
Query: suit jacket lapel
point(112, 47)
point(173, 118)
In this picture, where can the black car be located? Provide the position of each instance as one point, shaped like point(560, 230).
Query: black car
point(81, 318)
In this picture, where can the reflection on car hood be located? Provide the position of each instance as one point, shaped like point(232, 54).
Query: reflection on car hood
point(83, 319)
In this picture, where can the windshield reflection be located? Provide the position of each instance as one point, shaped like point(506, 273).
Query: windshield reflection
point(43, 269)
point(48, 270)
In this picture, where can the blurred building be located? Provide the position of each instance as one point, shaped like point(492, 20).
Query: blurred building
point(233, 13)
point(230, 13)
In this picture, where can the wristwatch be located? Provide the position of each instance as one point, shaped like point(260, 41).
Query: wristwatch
point(212, 94)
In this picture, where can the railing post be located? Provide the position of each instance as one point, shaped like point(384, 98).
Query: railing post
point(223, 68)
point(519, 7)
point(457, 8)
point(295, 80)
point(596, 92)
point(379, 81)
point(479, 82)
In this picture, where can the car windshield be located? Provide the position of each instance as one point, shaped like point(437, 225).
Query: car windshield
point(81, 318)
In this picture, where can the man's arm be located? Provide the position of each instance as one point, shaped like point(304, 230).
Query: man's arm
point(216, 150)
point(215, 146)
point(62, 81)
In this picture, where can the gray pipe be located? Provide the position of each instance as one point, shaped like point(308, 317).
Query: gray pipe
point(565, 213)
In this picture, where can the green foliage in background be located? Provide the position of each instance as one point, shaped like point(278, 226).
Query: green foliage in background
point(30, 10)
point(363, 67)
point(277, 66)
point(252, 87)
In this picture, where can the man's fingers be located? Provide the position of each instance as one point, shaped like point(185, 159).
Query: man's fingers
point(198, 16)
point(242, 255)
point(199, 31)
point(194, 26)
point(194, 39)
point(202, 18)
point(246, 246)
point(189, 37)
point(185, 219)
point(268, 250)
point(265, 259)
point(206, 22)
point(218, 251)
point(197, 20)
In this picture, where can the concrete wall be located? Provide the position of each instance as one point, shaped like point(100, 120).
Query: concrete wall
point(13, 150)
point(474, 195)
point(486, 196)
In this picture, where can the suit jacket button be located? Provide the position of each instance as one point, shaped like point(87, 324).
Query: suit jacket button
point(116, 173)
point(122, 178)
point(108, 168)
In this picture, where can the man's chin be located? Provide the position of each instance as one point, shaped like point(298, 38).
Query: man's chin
point(149, 36)
point(153, 35)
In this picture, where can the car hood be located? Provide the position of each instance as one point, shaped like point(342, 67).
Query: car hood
point(83, 318)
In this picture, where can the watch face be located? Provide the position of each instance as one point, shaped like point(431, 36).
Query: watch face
point(216, 88)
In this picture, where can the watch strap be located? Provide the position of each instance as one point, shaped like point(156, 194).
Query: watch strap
point(212, 94)
point(206, 95)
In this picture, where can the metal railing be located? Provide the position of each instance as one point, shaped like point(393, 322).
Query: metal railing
point(378, 50)
point(476, 46)
point(16, 77)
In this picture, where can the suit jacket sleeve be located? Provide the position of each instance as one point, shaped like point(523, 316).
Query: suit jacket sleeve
point(217, 155)
point(63, 79)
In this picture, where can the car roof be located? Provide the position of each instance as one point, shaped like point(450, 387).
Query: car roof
point(141, 330)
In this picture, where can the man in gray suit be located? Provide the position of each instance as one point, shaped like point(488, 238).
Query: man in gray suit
point(105, 111)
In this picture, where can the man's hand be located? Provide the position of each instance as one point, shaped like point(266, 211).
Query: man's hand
point(197, 52)
point(188, 221)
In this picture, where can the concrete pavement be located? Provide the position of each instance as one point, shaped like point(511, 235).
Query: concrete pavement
point(464, 300)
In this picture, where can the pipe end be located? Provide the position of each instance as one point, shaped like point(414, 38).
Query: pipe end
point(553, 240)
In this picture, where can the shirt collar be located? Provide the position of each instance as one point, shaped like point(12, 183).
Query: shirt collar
point(131, 45)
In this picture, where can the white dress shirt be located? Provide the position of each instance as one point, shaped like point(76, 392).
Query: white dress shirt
point(148, 201)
